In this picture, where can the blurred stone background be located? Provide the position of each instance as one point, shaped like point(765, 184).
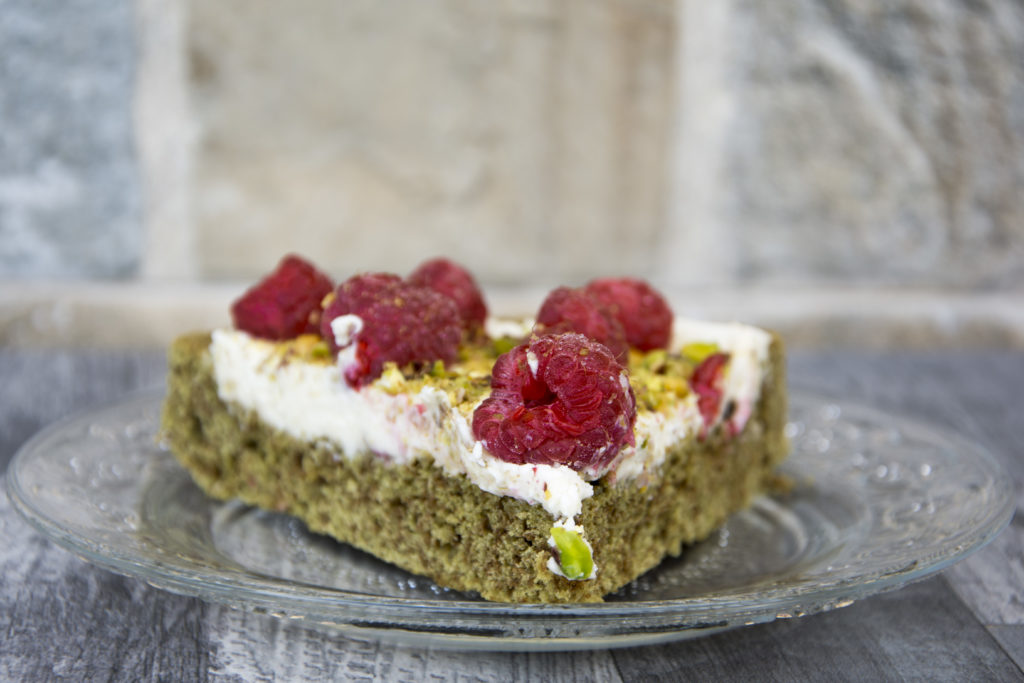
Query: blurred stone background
point(851, 173)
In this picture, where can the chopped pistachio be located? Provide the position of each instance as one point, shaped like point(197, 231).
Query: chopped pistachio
point(698, 351)
point(437, 370)
point(574, 556)
point(391, 379)
point(320, 350)
point(654, 360)
point(504, 344)
point(659, 378)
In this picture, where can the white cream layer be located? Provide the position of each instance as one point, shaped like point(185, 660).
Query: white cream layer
point(312, 402)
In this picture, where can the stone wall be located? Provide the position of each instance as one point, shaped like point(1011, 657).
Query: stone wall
point(790, 146)
point(529, 138)
point(70, 203)
point(874, 142)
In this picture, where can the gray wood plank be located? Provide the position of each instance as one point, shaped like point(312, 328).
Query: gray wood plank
point(254, 647)
point(992, 581)
point(1012, 640)
point(64, 619)
point(923, 632)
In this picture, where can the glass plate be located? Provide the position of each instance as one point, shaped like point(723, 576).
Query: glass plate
point(878, 501)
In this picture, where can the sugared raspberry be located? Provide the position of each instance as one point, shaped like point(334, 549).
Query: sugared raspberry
point(454, 281)
point(284, 304)
point(397, 321)
point(706, 382)
point(642, 311)
point(573, 310)
point(557, 400)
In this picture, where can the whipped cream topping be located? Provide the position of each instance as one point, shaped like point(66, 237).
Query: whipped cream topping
point(312, 402)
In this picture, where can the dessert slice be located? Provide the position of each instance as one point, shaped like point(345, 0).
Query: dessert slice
point(530, 464)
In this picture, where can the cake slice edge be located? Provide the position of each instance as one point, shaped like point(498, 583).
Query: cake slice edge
point(445, 527)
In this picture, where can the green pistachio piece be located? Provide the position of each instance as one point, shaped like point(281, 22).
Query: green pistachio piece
point(320, 351)
point(392, 380)
point(698, 351)
point(655, 360)
point(503, 345)
point(437, 370)
point(573, 554)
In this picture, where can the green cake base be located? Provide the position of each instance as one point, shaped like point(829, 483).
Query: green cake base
point(448, 529)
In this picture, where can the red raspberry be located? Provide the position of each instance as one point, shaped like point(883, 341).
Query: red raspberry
point(706, 382)
point(284, 304)
point(401, 322)
point(454, 281)
point(573, 310)
point(642, 311)
point(557, 400)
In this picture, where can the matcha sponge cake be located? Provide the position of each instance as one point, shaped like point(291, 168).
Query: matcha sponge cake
point(553, 460)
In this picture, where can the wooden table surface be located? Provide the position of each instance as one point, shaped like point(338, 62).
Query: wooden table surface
point(63, 619)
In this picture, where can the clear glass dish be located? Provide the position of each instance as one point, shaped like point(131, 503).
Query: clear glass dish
point(878, 501)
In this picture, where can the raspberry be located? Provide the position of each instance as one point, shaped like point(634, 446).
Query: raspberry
point(400, 322)
point(573, 310)
point(284, 304)
point(557, 400)
point(706, 382)
point(454, 281)
point(642, 311)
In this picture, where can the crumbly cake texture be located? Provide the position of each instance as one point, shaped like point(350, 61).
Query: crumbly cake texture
point(445, 527)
